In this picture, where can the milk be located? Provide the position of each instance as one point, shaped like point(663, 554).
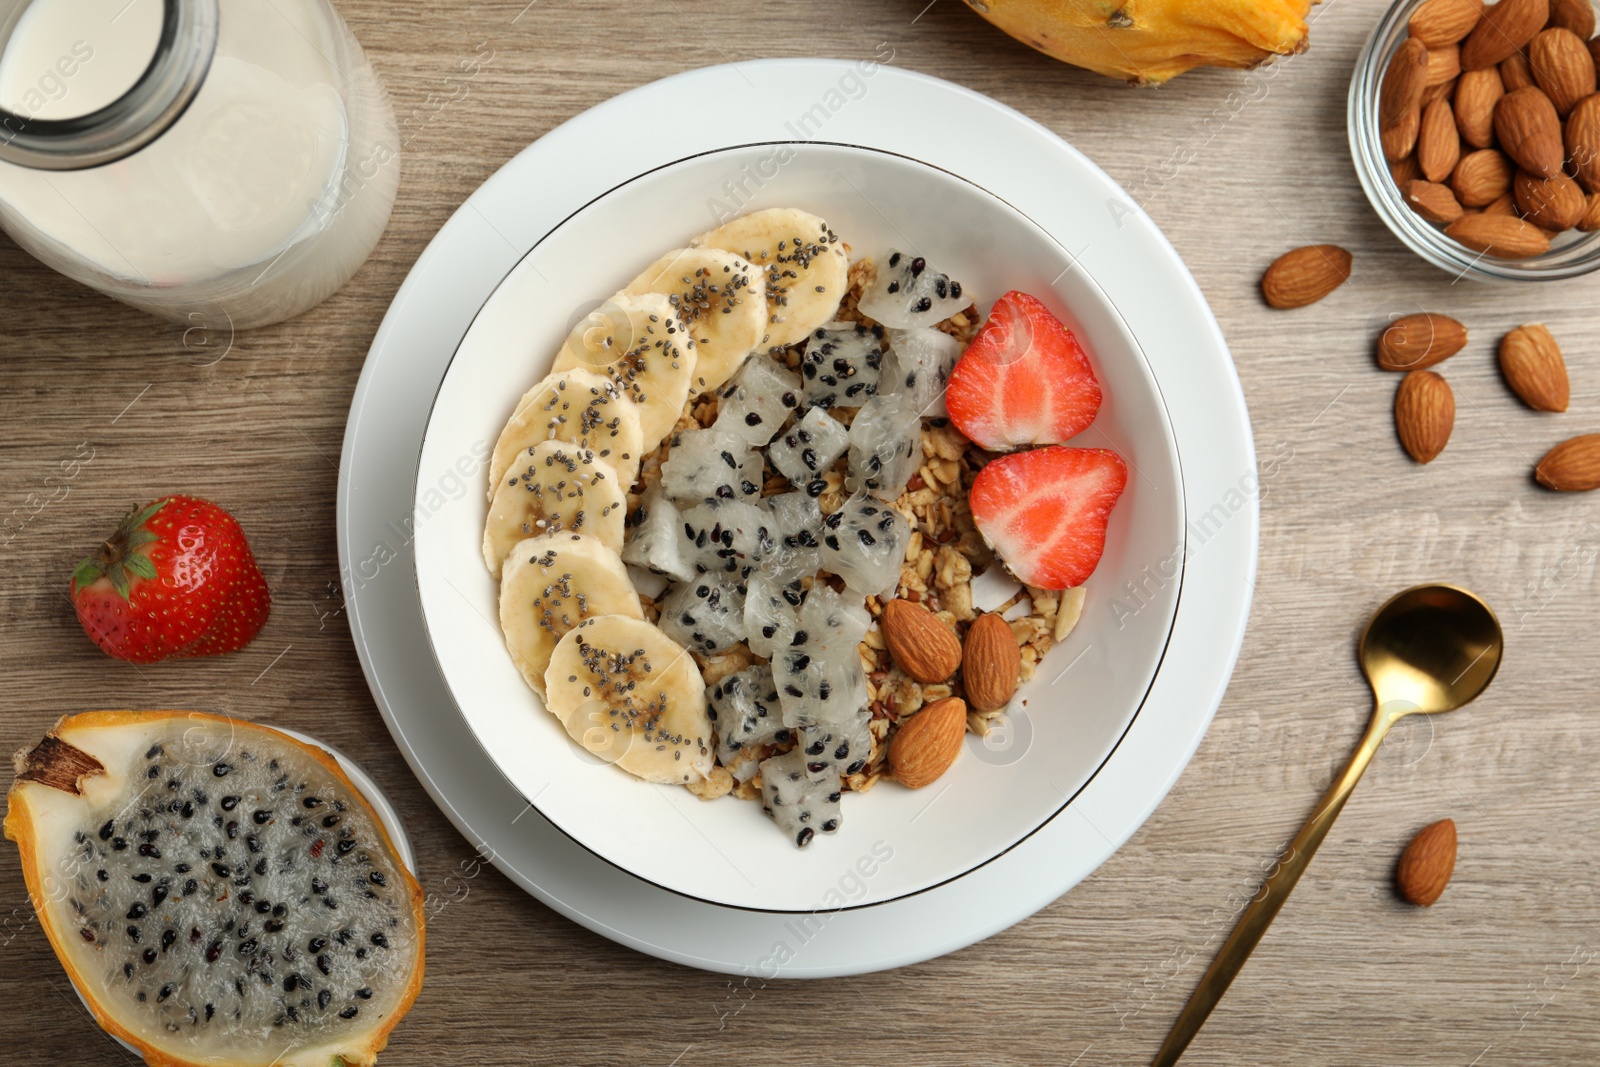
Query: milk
point(70, 57)
point(261, 200)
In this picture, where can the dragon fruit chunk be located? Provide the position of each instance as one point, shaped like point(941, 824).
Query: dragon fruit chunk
point(655, 539)
point(727, 536)
point(864, 542)
point(802, 808)
point(885, 446)
point(819, 676)
point(809, 448)
point(770, 618)
point(706, 614)
point(755, 405)
point(907, 293)
point(708, 464)
point(919, 365)
point(796, 522)
point(841, 364)
point(836, 748)
point(744, 707)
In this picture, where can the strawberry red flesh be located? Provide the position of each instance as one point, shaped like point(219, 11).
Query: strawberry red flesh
point(176, 578)
point(1045, 511)
point(1024, 379)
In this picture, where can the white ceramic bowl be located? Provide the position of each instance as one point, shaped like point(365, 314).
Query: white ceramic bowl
point(1072, 715)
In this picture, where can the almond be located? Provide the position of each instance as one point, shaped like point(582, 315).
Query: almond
point(1583, 142)
point(1398, 140)
point(1590, 221)
point(1574, 15)
point(1437, 23)
point(1549, 203)
point(1408, 169)
point(1504, 28)
point(1438, 143)
point(922, 645)
point(1305, 275)
point(1515, 72)
point(1403, 82)
point(1443, 65)
point(1573, 466)
point(1499, 235)
point(1482, 177)
point(1436, 203)
point(1531, 361)
point(1594, 50)
point(1424, 413)
point(1427, 863)
point(1505, 205)
point(1529, 131)
point(1477, 92)
point(1416, 342)
point(1563, 68)
point(928, 742)
point(991, 664)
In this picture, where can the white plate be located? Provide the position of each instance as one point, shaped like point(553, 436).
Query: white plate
point(1110, 241)
point(1087, 690)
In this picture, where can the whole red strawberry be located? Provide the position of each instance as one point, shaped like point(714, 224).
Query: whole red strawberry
point(176, 578)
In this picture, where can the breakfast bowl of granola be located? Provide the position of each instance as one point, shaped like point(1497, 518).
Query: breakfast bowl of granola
point(819, 507)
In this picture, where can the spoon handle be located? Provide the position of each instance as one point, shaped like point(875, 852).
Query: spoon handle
point(1267, 903)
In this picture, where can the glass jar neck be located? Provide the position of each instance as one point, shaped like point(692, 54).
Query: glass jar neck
point(177, 70)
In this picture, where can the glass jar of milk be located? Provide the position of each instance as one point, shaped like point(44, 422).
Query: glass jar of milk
point(215, 162)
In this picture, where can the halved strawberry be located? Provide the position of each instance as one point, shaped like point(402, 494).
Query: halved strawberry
point(1045, 511)
point(1024, 380)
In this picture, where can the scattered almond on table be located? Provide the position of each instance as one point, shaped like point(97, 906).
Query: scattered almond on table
point(1573, 466)
point(1427, 863)
point(1531, 361)
point(1305, 275)
point(1424, 414)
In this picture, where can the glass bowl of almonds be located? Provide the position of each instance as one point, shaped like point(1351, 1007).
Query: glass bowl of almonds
point(1475, 131)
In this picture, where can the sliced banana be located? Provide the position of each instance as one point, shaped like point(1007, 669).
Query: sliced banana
point(807, 271)
point(554, 487)
point(550, 584)
point(719, 297)
point(581, 407)
point(636, 340)
point(632, 696)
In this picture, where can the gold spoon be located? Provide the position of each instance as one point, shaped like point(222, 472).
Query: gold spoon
point(1431, 648)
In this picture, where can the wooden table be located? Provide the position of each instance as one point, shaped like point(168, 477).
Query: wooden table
point(1504, 970)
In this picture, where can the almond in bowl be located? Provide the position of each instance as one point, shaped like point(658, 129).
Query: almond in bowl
point(1476, 132)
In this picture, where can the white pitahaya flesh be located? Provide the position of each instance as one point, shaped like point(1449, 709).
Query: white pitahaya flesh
point(710, 465)
point(885, 446)
point(836, 748)
point(796, 523)
point(809, 448)
point(802, 808)
point(819, 676)
point(919, 365)
point(727, 536)
point(841, 364)
point(656, 539)
point(744, 707)
point(706, 614)
point(908, 293)
point(771, 614)
point(864, 542)
point(756, 404)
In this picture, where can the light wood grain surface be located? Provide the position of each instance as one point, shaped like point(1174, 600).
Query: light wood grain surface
point(1504, 970)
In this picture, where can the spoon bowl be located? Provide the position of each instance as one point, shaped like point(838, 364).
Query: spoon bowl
point(1429, 649)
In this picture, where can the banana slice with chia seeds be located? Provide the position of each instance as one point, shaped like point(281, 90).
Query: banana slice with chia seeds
point(636, 340)
point(632, 696)
point(555, 487)
point(550, 584)
point(581, 407)
point(804, 262)
point(720, 298)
